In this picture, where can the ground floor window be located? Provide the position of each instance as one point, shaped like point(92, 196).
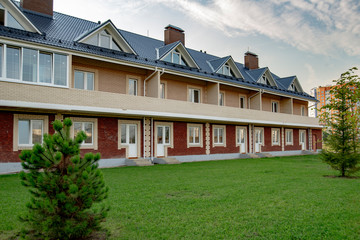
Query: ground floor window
point(28, 130)
point(219, 135)
point(89, 126)
point(275, 136)
point(194, 135)
point(289, 136)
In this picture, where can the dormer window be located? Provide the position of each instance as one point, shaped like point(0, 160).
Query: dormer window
point(293, 88)
point(175, 57)
point(265, 80)
point(105, 40)
point(225, 70)
point(6, 19)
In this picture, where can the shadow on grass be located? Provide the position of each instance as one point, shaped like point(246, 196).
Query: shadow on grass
point(346, 177)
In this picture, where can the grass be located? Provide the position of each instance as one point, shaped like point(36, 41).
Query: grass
point(271, 198)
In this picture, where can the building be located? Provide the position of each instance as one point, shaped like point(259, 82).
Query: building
point(138, 97)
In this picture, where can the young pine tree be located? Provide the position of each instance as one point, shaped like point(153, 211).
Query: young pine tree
point(63, 187)
point(342, 119)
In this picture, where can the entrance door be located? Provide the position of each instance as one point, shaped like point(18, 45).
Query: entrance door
point(129, 138)
point(302, 139)
point(242, 139)
point(258, 140)
point(163, 139)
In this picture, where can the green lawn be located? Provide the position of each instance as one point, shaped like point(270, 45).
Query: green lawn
point(270, 198)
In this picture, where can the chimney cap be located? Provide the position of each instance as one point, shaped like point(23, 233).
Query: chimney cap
point(250, 53)
point(174, 27)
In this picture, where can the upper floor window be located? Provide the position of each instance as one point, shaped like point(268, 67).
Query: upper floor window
point(274, 106)
point(302, 110)
point(194, 95)
point(175, 57)
point(33, 66)
point(293, 88)
point(225, 69)
point(6, 19)
point(222, 99)
point(84, 80)
point(105, 40)
point(133, 87)
point(162, 90)
point(242, 102)
point(265, 80)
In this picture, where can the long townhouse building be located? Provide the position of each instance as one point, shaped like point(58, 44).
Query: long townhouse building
point(137, 97)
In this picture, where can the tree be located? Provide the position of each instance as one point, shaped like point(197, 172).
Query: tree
point(342, 117)
point(63, 187)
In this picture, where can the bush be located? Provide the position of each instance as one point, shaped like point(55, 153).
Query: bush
point(63, 187)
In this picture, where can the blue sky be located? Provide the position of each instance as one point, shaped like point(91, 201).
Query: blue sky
point(313, 39)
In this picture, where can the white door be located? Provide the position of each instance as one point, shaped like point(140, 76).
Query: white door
point(242, 140)
point(129, 138)
point(162, 140)
point(303, 139)
point(258, 140)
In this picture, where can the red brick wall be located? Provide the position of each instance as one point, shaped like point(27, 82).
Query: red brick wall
point(267, 137)
point(230, 141)
point(318, 134)
point(180, 141)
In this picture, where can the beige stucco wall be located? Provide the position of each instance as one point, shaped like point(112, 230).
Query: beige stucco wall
point(212, 93)
point(286, 105)
point(297, 107)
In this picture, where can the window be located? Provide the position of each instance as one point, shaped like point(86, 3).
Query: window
point(194, 135)
point(84, 80)
point(265, 80)
point(33, 66)
point(242, 102)
point(7, 19)
point(302, 110)
point(289, 137)
point(274, 106)
point(162, 90)
point(275, 136)
point(30, 131)
point(175, 57)
point(194, 95)
point(87, 127)
point(225, 70)
point(293, 88)
point(133, 87)
point(222, 99)
point(104, 39)
point(219, 135)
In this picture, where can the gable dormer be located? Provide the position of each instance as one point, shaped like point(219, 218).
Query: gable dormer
point(11, 16)
point(264, 76)
point(107, 36)
point(225, 66)
point(291, 83)
point(176, 53)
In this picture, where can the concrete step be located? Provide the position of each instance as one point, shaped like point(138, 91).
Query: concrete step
point(167, 160)
point(140, 162)
point(251, 155)
point(307, 152)
point(264, 155)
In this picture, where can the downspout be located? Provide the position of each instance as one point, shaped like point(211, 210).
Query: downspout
point(150, 76)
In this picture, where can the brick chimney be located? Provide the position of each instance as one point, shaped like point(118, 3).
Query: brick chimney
point(251, 60)
point(40, 6)
point(173, 34)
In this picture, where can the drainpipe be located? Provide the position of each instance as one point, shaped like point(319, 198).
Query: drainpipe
point(155, 71)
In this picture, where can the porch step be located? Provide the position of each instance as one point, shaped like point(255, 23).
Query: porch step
point(263, 155)
point(251, 155)
point(138, 162)
point(167, 160)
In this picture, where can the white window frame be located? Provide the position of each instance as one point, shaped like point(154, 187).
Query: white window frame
point(191, 92)
point(277, 104)
point(275, 130)
point(224, 68)
point(163, 90)
point(222, 99)
point(20, 80)
point(262, 131)
point(192, 127)
point(217, 128)
point(287, 132)
point(30, 140)
point(302, 110)
point(85, 79)
point(136, 86)
point(83, 129)
point(244, 101)
point(17, 118)
point(6, 12)
point(94, 121)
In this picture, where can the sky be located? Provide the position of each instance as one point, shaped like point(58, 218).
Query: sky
point(313, 39)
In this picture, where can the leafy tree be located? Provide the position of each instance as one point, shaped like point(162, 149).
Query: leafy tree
point(342, 117)
point(63, 187)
